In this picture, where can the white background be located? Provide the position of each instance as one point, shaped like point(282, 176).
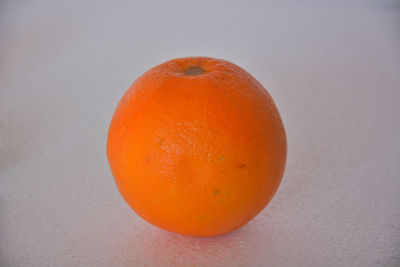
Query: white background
point(333, 69)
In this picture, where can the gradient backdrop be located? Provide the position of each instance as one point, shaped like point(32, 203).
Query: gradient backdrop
point(332, 67)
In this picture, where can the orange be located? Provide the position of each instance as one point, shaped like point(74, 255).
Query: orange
point(197, 146)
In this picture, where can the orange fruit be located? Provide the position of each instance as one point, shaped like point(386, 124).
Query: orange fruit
point(197, 146)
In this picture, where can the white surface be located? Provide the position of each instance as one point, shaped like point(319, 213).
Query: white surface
point(333, 70)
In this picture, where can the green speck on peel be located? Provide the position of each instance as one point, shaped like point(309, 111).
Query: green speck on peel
point(203, 218)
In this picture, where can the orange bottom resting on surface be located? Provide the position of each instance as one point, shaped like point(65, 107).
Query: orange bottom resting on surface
point(197, 146)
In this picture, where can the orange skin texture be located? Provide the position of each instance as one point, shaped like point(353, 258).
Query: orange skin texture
point(199, 155)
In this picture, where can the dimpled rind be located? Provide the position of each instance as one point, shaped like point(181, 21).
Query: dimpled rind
point(198, 155)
